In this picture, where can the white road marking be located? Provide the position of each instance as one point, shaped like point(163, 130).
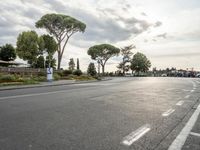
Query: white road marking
point(187, 96)
point(195, 134)
point(192, 91)
point(168, 112)
point(181, 138)
point(28, 95)
point(135, 135)
point(179, 103)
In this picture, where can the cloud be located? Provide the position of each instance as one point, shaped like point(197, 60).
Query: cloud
point(158, 24)
point(164, 35)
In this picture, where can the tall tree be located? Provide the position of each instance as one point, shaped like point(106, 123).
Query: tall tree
point(62, 27)
point(102, 53)
point(71, 64)
point(29, 46)
point(7, 53)
point(91, 69)
point(140, 63)
point(50, 46)
point(126, 57)
point(77, 65)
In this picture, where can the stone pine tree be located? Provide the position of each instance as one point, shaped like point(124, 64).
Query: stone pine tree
point(91, 69)
point(77, 65)
point(102, 53)
point(71, 64)
point(62, 27)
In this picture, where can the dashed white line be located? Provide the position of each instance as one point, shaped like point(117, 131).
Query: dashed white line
point(135, 135)
point(179, 103)
point(195, 134)
point(178, 143)
point(187, 96)
point(192, 91)
point(168, 112)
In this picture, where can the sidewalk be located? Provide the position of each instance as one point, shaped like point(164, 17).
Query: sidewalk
point(46, 84)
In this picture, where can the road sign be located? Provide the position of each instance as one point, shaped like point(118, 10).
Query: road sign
point(49, 74)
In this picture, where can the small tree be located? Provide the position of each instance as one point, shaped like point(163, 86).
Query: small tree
point(62, 27)
point(71, 64)
point(140, 63)
point(40, 62)
point(7, 53)
point(29, 46)
point(91, 69)
point(126, 58)
point(102, 53)
point(77, 65)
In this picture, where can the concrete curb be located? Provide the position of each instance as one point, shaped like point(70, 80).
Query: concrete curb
point(48, 85)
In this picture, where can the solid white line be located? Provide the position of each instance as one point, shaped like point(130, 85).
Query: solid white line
point(168, 112)
point(181, 138)
point(187, 96)
point(179, 103)
point(195, 134)
point(185, 90)
point(135, 135)
point(29, 95)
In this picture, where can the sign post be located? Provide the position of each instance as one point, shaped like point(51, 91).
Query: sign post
point(49, 74)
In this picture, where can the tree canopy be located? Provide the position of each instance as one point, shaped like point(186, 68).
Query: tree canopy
point(62, 27)
point(7, 53)
point(29, 46)
point(140, 63)
point(50, 46)
point(71, 64)
point(126, 58)
point(102, 53)
point(91, 69)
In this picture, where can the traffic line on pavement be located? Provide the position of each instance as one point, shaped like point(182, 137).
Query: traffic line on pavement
point(28, 95)
point(135, 135)
point(195, 134)
point(185, 90)
point(192, 91)
point(178, 143)
point(168, 112)
point(179, 103)
point(187, 96)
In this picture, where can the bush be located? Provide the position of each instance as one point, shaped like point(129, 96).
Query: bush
point(67, 72)
point(56, 76)
point(77, 72)
point(7, 78)
point(84, 77)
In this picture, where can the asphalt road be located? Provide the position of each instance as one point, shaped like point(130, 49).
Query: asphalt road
point(120, 114)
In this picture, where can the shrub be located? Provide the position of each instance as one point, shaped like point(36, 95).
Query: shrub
point(77, 72)
point(7, 78)
point(56, 76)
point(67, 72)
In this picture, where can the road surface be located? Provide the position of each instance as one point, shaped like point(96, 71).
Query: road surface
point(120, 114)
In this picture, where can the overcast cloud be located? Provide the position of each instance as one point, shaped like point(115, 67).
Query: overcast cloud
point(148, 24)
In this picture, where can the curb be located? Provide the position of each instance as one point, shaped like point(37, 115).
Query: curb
point(49, 85)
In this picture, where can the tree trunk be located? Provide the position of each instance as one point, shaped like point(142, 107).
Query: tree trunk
point(103, 69)
point(59, 60)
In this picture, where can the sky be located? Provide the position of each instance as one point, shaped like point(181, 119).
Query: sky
point(166, 31)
